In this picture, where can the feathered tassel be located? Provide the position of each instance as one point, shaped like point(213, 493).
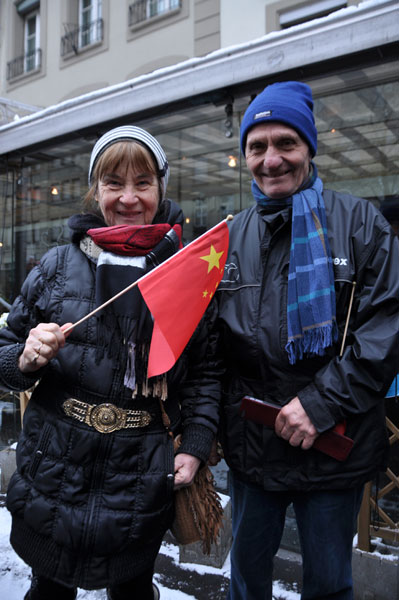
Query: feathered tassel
point(198, 511)
point(156, 386)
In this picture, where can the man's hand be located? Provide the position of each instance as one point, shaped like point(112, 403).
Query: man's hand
point(186, 467)
point(294, 425)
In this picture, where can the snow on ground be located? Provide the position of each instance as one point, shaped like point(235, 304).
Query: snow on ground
point(14, 574)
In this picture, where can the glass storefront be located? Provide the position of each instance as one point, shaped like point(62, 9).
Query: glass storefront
point(357, 121)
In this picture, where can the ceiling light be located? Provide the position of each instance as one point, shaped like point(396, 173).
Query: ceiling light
point(232, 162)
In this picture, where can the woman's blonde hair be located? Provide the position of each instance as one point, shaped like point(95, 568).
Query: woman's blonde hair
point(120, 154)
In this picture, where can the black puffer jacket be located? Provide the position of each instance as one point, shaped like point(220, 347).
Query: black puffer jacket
point(253, 322)
point(90, 509)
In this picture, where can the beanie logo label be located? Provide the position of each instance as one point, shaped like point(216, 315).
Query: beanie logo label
point(265, 113)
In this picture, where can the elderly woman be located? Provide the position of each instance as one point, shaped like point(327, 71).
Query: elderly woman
point(92, 496)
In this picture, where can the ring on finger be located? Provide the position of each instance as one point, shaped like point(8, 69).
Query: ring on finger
point(34, 359)
point(39, 348)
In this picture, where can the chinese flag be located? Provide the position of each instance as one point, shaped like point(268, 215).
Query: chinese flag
point(178, 292)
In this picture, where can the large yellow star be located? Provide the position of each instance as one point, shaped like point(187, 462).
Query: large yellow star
point(212, 258)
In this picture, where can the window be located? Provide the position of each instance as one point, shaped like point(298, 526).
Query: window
point(143, 10)
point(90, 29)
point(31, 42)
point(26, 42)
point(84, 28)
point(300, 13)
point(158, 7)
point(356, 119)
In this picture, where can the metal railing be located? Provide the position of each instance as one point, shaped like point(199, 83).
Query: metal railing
point(143, 10)
point(27, 63)
point(373, 520)
point(81, 37)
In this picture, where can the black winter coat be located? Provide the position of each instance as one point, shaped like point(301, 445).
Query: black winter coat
point(90, 509)
point(253, 324)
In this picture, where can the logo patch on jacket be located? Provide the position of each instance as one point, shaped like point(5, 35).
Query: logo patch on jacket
point(342, 262)
point(231, 273)
point(342, 268)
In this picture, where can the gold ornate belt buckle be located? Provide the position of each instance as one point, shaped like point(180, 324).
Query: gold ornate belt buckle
point(106, 418)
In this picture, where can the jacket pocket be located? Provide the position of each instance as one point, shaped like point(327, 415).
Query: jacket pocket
point(40, 450)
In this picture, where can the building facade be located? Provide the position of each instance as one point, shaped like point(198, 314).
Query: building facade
point(194, 107)
point(51, 51)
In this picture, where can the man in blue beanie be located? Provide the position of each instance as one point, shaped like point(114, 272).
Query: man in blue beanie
point(309, 319)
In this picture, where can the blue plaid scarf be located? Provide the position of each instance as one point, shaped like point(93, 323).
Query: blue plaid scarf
point(311, 317)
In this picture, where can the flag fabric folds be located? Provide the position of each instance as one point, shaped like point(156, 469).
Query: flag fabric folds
point(178, 292)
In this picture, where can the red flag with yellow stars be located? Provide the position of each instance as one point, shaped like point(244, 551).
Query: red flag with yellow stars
point(178, 292)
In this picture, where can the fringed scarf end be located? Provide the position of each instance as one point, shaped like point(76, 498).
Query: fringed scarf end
point(136, 374)
point(130, 373)
point(313, 342)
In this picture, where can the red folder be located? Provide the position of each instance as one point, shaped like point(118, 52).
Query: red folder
point(330, 442)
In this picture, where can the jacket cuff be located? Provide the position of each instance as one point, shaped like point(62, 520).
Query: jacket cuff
point(316, 408)
point(12, 378)
point(197, 441)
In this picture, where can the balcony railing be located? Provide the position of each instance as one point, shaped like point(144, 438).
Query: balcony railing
point(29, 62)
point(143, 10)
point(81, 37)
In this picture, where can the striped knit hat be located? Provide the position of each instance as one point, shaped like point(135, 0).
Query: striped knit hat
point(130, 132)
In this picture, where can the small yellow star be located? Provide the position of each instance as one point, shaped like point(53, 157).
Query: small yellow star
point(205, 293)
point(212, 258)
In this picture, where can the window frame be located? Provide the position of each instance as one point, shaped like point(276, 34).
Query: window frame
point(152, 11)
point(94, 9)
point(27, 38)
point(170, 6)
point(302, 13)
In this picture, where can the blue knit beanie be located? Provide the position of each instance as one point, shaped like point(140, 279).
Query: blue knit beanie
point(289, 102)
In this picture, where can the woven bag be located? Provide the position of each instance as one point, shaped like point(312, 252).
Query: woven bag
point(198, 511)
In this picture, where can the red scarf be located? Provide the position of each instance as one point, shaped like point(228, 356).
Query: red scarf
point(132, 240)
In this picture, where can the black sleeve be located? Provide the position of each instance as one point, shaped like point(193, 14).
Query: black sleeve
point(357, 381)
point(25, 313)
point(200, 391)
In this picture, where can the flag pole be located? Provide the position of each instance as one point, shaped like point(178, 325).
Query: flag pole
point(132, 285)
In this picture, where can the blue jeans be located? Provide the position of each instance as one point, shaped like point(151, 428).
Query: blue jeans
point(326, 523)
